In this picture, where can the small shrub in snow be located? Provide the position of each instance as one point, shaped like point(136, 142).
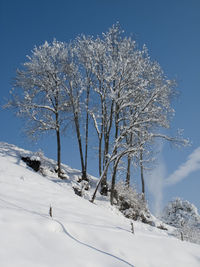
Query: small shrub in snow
point(38, 155)
point(80, 187)
point(32, 163)
point(132, 204)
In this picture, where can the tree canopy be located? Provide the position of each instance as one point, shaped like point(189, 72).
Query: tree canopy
point(107, 86)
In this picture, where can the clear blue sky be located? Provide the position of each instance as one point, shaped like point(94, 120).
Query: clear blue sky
point(171, 31)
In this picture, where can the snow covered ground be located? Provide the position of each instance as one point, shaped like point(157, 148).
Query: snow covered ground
point(80, 234)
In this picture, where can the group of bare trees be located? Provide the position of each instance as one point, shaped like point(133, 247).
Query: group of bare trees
point(108, 87)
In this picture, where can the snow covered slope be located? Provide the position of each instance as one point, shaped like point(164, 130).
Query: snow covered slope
point(80, 234)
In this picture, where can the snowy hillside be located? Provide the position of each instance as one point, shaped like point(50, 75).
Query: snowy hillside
point(80, 234)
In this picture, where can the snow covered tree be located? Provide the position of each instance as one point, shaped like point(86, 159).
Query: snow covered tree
point(38, 94)
point(48, 91)
point(95, 61)
point(74, 88)
point(185, 217)
point(83, 48)
point(141, 97)
point(179, 212)
point(106, 80)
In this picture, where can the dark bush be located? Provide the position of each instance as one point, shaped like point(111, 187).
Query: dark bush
point(33, 163)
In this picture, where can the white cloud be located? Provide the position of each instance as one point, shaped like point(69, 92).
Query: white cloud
point(155, 186)
point(157, 181)
point(191, 165)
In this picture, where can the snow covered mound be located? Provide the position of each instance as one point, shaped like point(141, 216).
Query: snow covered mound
point(79, 234)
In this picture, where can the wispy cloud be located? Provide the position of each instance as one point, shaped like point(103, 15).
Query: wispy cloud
point(192, 164)
point(157, 181)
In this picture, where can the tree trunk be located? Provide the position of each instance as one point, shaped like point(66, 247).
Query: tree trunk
point(107, 130)
point(113, 184)
point(58, 139)
point(86, 128)
point(128, 172)
point(116, 161)
point(84, 174)
point(58, 133)
point(104, 186)
point(113, 180)
point(75, 107)
point(142, 174)
point(105, 171)
point(100, 180)
point(100, 143)
point(58, 152)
